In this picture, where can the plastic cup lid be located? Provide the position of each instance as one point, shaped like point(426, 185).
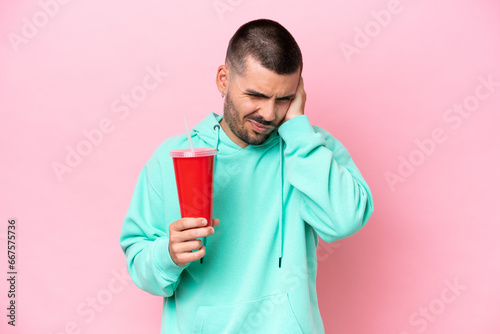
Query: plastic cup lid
point(198, 152)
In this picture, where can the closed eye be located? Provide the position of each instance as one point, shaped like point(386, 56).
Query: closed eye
point(257, 95)
point(285, 98)
point(254, 94)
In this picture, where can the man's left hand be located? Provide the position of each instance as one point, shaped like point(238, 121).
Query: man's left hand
point(298, 103)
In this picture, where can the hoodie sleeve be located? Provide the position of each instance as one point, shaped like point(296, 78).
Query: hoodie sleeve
point(336, 201)
point(144, 237)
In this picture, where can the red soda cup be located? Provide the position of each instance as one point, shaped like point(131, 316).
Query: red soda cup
point(194, 176)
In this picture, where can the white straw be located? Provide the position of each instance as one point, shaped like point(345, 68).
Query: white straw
point(187, 133)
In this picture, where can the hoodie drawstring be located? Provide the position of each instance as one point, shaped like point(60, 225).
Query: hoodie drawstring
point(217, 138)
point(280, 226)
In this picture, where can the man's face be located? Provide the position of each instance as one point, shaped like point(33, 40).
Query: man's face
point(256, 103)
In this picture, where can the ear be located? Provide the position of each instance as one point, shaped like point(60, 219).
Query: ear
point(222, 79)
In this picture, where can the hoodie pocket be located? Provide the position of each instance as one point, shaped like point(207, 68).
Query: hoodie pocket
point(269, 314)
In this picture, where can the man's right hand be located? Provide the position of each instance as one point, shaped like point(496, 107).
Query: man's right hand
point(183, 239)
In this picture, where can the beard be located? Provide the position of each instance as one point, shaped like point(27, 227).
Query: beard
point(237, 125)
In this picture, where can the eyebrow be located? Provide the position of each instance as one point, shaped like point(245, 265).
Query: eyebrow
point(257, 94)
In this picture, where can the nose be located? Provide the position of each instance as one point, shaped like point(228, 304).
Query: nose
point(268, 110)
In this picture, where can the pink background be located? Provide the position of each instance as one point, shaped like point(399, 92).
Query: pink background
point(435, 227)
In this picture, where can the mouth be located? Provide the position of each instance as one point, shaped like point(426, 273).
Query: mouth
point(258, 127)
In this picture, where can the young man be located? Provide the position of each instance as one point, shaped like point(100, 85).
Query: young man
point(279, 184)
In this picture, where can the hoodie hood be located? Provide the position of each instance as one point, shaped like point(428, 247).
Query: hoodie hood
point(211, 133)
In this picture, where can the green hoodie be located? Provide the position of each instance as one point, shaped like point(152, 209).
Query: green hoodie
point(273, 201)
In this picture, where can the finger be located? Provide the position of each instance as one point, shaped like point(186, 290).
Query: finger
point(188, 246)
point(215, 222)
point(300, 88)
point(194, 233)
point(304, 94)
point(192, 256)
point(187, 223)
